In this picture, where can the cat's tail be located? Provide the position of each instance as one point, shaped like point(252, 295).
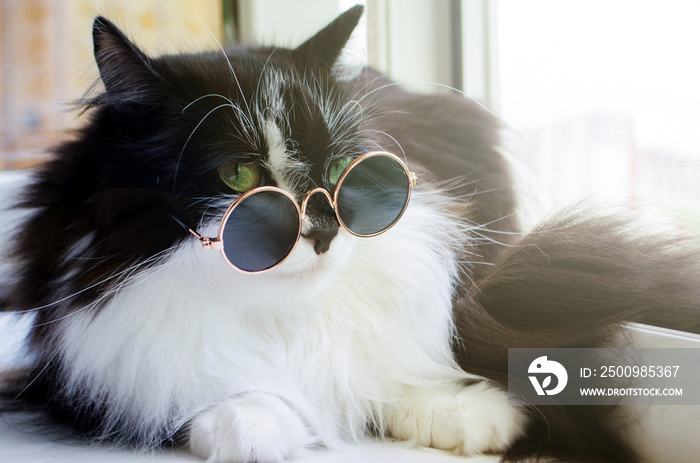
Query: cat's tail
point(570, 283)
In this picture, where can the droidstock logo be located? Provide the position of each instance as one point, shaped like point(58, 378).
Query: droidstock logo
point(543, 370)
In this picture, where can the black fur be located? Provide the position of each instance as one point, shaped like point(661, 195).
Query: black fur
point(569, 284)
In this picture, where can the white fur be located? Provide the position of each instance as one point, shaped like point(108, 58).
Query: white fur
point(361, 332)
point(269, 109)
point(353, 58)
point(466, 420)
point(252, 427)
point(285, 169)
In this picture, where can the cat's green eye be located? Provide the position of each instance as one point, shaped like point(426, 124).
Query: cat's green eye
point(337, 169)
point(240, 176)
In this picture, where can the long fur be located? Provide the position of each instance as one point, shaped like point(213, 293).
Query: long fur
point(570, 283)
point(142, 337)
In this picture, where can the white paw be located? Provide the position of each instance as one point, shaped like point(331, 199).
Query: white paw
point(253, 427)
point(468, 420)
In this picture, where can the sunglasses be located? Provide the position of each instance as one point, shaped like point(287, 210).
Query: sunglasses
point(263, 225)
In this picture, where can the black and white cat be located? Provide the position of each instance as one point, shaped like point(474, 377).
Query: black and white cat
point(141, 337)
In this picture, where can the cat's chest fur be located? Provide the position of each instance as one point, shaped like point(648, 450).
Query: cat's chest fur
point(335, 342)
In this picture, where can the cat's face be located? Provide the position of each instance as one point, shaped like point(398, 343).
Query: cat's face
point(264, 120)
point(183, 136)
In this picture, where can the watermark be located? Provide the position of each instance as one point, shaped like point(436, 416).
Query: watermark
point(605, 376)
point(551, 369)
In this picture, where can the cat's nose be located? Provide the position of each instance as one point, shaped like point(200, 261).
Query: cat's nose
point(320, 223)
point(321, 238)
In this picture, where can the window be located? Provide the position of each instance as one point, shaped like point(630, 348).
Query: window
point(606, 97)
point(601, 97)
point(46, 60)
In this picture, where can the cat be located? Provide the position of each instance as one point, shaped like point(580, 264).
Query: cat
point(143, 338)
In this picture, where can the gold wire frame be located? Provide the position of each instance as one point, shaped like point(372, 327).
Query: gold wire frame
point(218, 242)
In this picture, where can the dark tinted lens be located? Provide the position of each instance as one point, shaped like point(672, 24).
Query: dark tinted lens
point(261, 231)
point(373, 195)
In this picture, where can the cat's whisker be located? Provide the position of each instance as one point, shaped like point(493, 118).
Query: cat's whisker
point(368, 85)
point(481, 192)
point(179, 159)
point(262, 72)
point(87, 288)
point(378, 89)
point(106, 295)
point(464, 272)
point(392, 138)
point(221, 203)
point(223, 52)
point(288, 114)
point(507, 233)
point(88, 258)
point(436, 84)
point(476, 262)
point(374, 115)
point(206, 96)
point(245, 139)
point(379, 147)
point(73, 313)
point(479, 239)
point(345, 115)
point(36, 377)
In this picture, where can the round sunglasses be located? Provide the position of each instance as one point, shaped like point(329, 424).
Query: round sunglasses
point(261, 228)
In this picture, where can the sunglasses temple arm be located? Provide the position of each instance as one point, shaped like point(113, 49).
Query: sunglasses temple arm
point(207, 243)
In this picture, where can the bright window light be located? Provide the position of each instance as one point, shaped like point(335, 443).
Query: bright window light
point(606, 94)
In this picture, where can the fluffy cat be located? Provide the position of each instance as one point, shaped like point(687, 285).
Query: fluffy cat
point(141, 337)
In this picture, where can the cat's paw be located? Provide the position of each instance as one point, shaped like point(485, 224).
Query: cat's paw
point(253, 427)
point(470, 420)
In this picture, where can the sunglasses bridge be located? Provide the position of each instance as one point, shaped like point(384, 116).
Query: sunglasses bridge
point(309, 194)
point(218, 244)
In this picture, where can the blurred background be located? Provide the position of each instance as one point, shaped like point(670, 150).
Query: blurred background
point(600, 97)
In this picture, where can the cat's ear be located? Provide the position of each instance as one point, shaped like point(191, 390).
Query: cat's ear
point(124, 69)
point(331, 41)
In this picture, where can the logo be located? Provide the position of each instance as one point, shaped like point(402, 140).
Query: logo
point(545, 369)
